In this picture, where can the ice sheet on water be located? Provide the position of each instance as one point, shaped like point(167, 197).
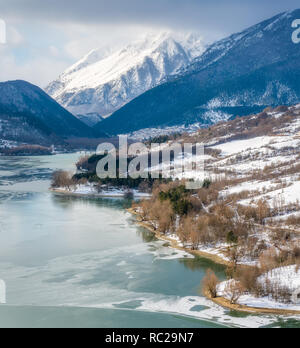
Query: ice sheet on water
point(85, 277)
point(210, 312)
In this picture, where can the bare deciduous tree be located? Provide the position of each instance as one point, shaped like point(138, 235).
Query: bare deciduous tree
point(62, 179)
point(210, 283)
point(233, 291)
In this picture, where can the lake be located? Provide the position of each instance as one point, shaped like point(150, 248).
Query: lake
point(75, 262)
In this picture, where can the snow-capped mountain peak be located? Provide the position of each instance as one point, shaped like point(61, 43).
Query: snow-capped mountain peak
point(238, 75)
point(101, 84)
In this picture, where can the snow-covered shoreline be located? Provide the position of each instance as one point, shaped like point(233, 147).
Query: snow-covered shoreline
point(213, 254)
point(247, 303)
point(258, 306)
point(287, 278)
point(90, 191)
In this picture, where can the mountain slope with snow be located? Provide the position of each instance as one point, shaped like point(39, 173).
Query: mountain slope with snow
point(28, 114)
point(98, 86)
point(239, 75)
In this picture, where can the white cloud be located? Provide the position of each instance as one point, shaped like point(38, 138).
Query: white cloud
point(38, 71)
point(45, 37)
point(54, 51)
point(14, 37)
point(41, 59)
point(83, 38)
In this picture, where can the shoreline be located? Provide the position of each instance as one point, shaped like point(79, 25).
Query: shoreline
point(221, 301)
point(174, 244)
point(73, 194)
point(89, 195)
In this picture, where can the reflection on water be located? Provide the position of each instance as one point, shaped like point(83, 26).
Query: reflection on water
point(199, 264)
point(84, 263)
point(145, 235)
point(69, 202)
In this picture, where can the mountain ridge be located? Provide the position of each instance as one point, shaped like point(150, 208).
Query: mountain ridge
point(216, 85)
point(97, 85)
point(28, 114)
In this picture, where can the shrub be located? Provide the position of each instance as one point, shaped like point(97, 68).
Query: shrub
point(206, 184)
point(182, 207)
point(248, 278)
point(278, 292)
point(176, 196)
point(210, 283)
point(234, 290)
point(62, 179)
point(188, 231)
point(263, 211)
point(235, 254)
point(128, 194)
point(159, 212)
point(231, 238)
point(98, 187)
point(82, 162)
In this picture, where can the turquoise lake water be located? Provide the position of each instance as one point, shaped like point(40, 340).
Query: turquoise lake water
point(70, 262)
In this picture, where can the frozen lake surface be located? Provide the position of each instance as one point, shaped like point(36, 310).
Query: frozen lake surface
point(73, 262)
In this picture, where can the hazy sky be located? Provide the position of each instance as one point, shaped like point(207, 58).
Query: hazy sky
point(46, 36)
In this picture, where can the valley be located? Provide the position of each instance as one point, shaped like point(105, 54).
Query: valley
point(150, 166)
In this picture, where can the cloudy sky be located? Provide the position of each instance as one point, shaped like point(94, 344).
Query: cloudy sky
point(45, 37)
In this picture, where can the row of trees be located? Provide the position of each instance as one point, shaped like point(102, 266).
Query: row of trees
point(196, 216)
point(64, 179)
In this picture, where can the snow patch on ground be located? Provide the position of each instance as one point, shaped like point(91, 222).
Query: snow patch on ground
point(236, 146)
point(287, 277)
point(90, 190)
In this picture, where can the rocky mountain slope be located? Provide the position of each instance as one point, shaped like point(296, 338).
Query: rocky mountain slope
point(97, 86)
point(239, 75)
